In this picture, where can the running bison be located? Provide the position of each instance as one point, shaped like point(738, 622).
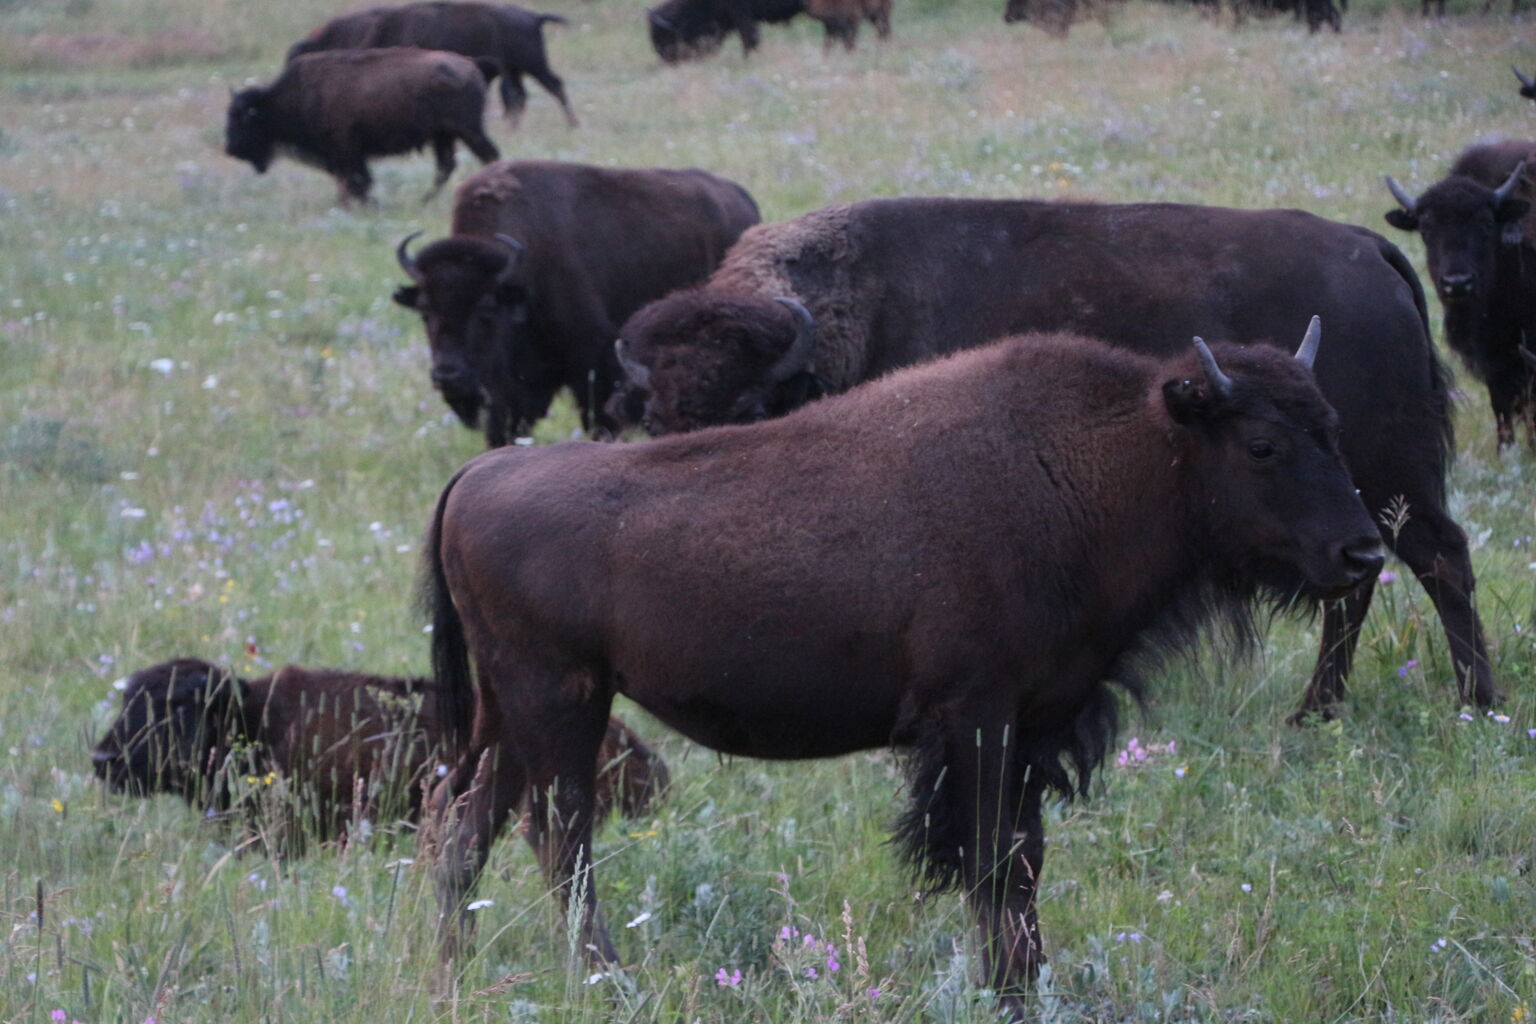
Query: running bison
point(334, 110)
point(956, 560)
point(508, 40)
point(351, 746)
point(684, 29)
point(892, 282)
point(1480, 237)
point(545, 262)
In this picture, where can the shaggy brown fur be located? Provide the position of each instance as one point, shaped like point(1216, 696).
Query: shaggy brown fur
point(349, 746)
point(336, 109)
point(956, 559)
point(891, 282)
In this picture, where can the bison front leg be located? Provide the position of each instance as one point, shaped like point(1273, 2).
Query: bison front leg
point(461, 821)
point(514, 98)
point(442, 151)
point(1341, 635)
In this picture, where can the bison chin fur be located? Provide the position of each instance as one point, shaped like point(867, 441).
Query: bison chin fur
point(1063, 756)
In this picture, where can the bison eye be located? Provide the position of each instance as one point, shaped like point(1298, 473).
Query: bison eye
point(1261, 450)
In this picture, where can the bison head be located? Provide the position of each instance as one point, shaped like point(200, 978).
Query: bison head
point(1463, 224)
point(165, 739)
point(684, 29)
point(704, 358)
point(247, 135)
point(475, 304)
point(1277, 508)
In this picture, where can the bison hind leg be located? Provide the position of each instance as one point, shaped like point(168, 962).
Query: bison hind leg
point(442, 151)
point(514, 98)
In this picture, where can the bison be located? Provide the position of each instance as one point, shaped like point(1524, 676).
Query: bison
point(546, 260)
point(1480, 238)
point(684, 29)
point(895, 281)
point(336, 109)
point(956, 560)
point(352, 746)
point(508, 38)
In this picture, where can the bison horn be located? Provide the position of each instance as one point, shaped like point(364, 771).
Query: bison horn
point(1525, 80)
point(798, 357)
point(638, 373)
point(659, 21)
point(1308, 351)
point(512, 261)
point(1403, 198)
point(408, 264)
point(1221, 384)
point(1503, 191)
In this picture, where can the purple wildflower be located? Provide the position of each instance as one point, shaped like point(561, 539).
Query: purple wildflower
point(1403, 671)
point(810, 972)
point(725, 980)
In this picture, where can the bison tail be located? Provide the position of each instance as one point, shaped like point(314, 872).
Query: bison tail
point(454, 692)
point(555, 18)
point(1439, 372)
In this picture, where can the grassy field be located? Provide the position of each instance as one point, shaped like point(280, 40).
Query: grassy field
point(218, 439)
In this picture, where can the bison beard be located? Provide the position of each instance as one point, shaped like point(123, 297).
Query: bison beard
point(959, 559)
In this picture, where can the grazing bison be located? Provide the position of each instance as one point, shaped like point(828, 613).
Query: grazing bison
point(684, 29)
point(545, 262)
point(1527, 84)
point(352, 746)
point(891, 282)
point(334, 110)
point(1480, 238)
point(508, 39)
point(956, 560)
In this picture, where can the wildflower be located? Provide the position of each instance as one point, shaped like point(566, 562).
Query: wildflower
point(1178, 773)
point(1387, 576)
point(786, 933)
point(1439, 945)
point(724, 980)
point(480, 905)
point(873, 994)
point(1403, 671)
point(810, 972)
point(1464, 717)
point(340, 892)
point(1501, 719)
point(58, 1015)
point(1246, 887)
point(832, 964)
point(1531, 733)
point(637, 922)
point(58, 805)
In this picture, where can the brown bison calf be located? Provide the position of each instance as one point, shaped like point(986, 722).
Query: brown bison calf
point(334, 110)
point(350, 746)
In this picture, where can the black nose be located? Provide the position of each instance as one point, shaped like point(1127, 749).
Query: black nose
point(1456, 286)
point(1363, 558)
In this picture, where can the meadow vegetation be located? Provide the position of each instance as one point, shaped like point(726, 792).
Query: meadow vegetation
point(219, 440)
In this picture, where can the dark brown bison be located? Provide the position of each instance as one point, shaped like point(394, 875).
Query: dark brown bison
point(545, 262)
point(895, 281)
point(1479, 235)
point(509, 40)
point(956, 560)
point(336, 109)
point(1527, 84)
point(351, 746)
point(684, 29)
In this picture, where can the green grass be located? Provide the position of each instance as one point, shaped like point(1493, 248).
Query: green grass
point(184, 346)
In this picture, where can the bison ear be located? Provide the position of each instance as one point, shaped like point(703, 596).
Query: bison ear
point(1403, 220)
point(407, 296)
point(1187, 400)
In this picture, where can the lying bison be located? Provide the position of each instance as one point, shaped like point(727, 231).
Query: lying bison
point(334, 110)
point(1480, 237)
point(509, 41)
point(956, 560)
point(545, 262)
point(351, 746)
point(683, 29)
point(896, 281)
